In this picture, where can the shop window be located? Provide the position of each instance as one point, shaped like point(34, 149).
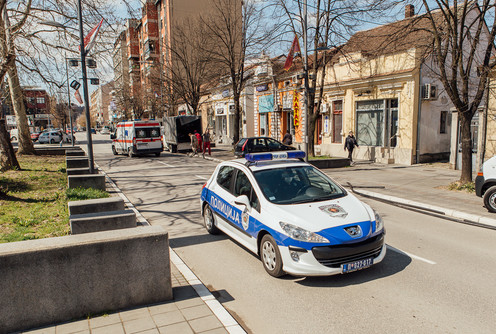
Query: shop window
point(377, 122)
point(337, 121)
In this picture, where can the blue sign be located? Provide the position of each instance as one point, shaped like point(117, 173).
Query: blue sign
point(262, 88)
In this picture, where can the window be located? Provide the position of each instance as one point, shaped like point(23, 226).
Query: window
point(243, 186)
point(442, 121)
point(292, 185)
point(148, 133)
point(377, 122)
point(40, 100)
point(337, 121)
point(224, 177)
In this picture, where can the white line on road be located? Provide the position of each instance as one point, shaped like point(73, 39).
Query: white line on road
point(201, 177)
point(410, 255)
point(165, 164)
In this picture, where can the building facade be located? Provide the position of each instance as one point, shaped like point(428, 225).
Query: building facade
point(100, 109)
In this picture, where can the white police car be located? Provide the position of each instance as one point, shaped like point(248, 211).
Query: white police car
point(292, 215)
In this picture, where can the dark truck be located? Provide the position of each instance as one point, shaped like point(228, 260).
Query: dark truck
point(177, 130)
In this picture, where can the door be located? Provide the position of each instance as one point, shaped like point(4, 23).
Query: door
point(318, 131)
point(474, 130)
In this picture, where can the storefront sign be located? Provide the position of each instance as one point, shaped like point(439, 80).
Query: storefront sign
point(296, 109)
point(326, 124)
point(262, 88)
point(41, 116)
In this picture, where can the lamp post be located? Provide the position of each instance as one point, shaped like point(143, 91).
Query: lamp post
point(85, 90)
point(69, 100)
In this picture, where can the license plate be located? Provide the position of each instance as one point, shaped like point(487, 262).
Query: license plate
point(357, 265)
point(142, 144)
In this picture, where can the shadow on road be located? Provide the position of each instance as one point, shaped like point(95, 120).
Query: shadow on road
point(392, 264)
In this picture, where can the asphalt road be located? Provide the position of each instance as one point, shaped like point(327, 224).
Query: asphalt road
point(438, 275)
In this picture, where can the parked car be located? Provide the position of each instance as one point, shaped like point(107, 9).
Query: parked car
point(35, 135)
point(485, 184)
point(105, 131)
point(50, 137)
point(259, 144)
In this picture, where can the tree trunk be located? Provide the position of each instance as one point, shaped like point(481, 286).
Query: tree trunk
point(25, 142)
point(466, 138)
point(237, 114)
point(8, 159)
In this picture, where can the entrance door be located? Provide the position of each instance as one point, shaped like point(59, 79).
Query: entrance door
point(318, 131)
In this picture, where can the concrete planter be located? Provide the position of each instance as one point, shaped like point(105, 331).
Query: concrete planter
point(95, 205)
point(52, 280)
point(102, 221)
point(96, 181)
point(77, 162)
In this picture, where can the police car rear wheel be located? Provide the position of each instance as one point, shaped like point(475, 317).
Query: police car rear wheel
point(208, 219)
point(490, 199)
point(270, 256)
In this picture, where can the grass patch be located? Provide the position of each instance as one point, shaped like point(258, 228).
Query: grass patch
point(322, 157)
point(79, 194)
point(458, 186)
point(33, 201)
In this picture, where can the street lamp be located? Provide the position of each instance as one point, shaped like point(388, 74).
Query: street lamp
point(85, 82)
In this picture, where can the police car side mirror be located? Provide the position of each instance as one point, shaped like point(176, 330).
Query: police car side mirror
point(242, 200)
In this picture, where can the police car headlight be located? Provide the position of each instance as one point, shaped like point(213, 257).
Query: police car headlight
point(301, 234)
point(379, 224)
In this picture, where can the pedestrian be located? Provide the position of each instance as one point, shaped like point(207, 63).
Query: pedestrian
point(349, 144)
point(287, 139)
point(199, 140)
point(194, 143)
point(206, 142)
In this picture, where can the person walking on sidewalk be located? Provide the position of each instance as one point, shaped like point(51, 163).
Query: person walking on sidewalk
point(194, 144)
point(349, 144)
point(206, 142)
point(199, 140)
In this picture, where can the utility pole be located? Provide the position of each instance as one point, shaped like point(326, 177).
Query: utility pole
point(69, 101)
point(85, 90)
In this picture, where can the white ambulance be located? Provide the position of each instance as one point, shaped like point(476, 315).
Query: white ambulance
point(137, 138)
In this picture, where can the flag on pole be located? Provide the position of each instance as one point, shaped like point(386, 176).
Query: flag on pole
point(295, 47)
point(78, 97)
point(89, 40)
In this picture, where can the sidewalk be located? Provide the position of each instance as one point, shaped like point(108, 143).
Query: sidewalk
point(186, 313)
point(423, 187)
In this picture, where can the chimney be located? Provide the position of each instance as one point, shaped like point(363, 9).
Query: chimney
point(409, 11)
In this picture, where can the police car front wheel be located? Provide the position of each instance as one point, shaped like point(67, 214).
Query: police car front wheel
point(270, 256)
point(208, 219)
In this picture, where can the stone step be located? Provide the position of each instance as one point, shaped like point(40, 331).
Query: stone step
point(96, 181)
point(102, 221)
point(96, 205)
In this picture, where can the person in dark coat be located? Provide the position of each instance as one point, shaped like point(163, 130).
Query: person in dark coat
point(349, 144)
point(287, 139)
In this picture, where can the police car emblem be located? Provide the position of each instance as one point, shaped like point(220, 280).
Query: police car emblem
point(334, 210)
point(244, 220)
point(354, 231)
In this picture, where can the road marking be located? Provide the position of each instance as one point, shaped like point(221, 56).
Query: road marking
point(201, 177)
point(411, 255)
point(166, 164)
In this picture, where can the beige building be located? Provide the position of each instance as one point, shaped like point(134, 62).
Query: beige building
point(100, 104)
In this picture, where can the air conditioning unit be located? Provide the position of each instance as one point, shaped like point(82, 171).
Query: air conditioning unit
point(429, 92)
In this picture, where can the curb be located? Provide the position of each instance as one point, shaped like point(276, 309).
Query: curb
point(432, 209)
point(226, 319)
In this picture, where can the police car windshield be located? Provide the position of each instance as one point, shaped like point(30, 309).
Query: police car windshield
point(297, 184)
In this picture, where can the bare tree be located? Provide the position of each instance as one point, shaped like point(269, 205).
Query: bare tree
point(237, 30)
point(463, 47)
point(191, 66)
point(330, 23)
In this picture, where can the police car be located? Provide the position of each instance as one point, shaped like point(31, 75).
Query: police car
point(292, 215)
